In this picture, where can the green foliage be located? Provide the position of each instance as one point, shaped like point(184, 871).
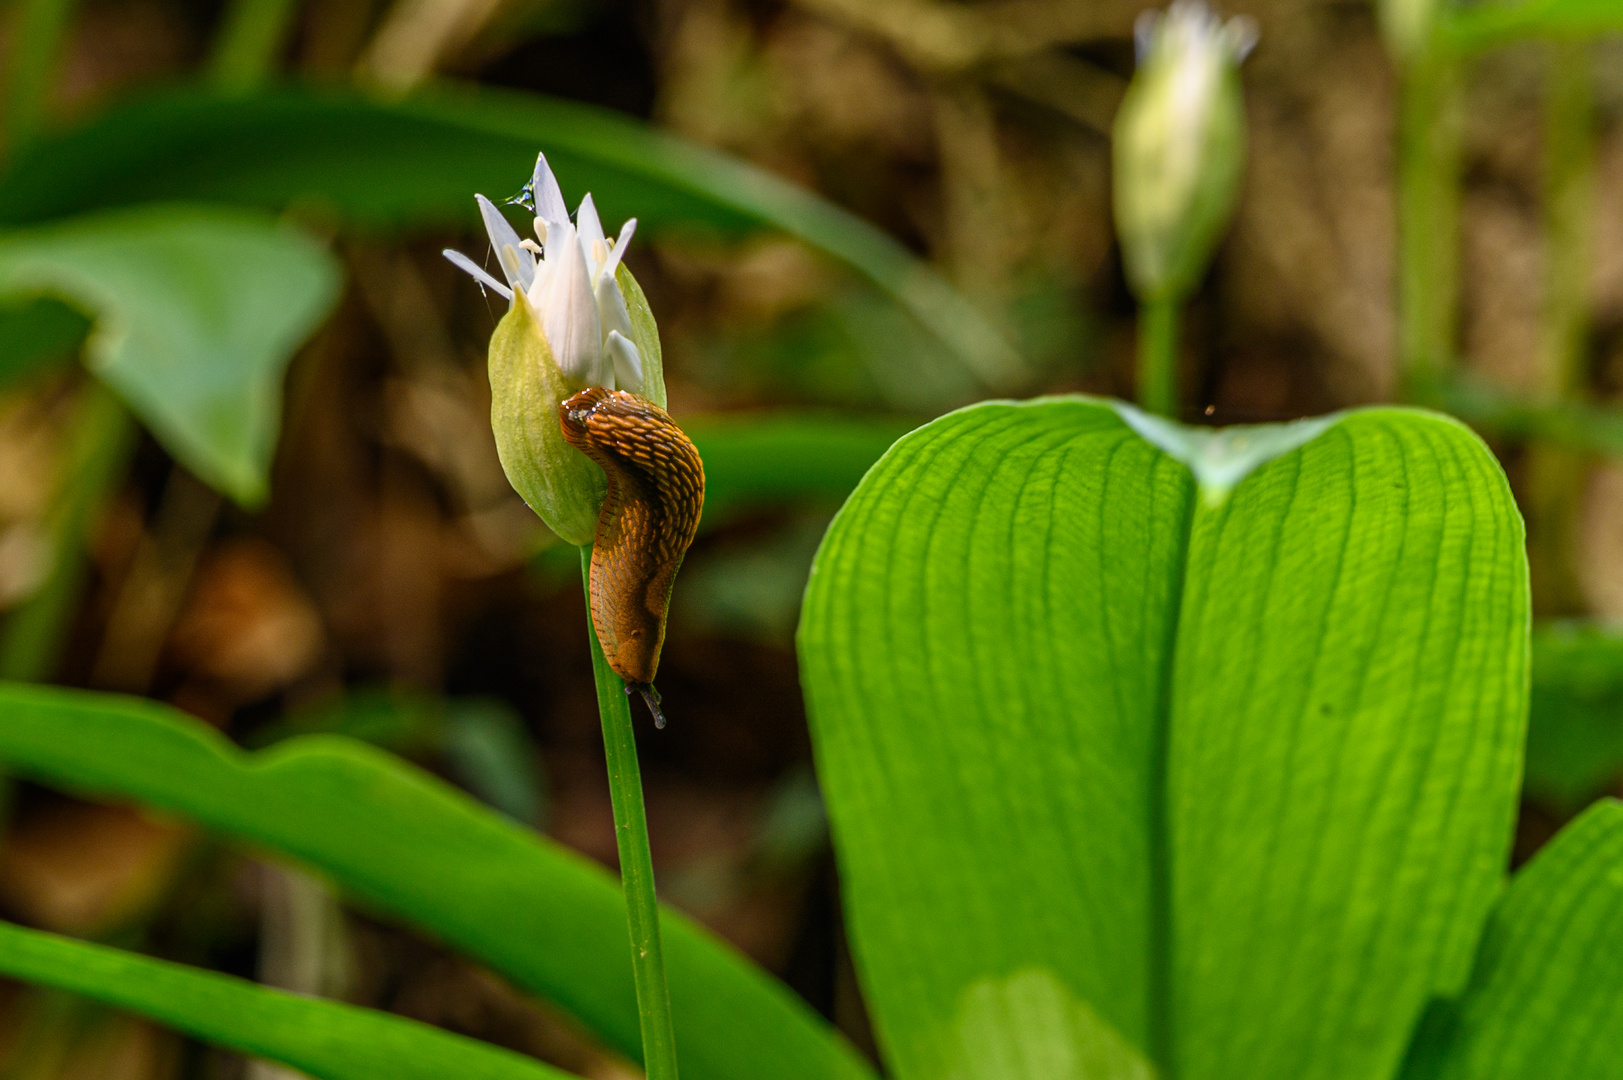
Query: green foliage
point(785, 457)
point(326, 1040)
point(404, 844)
point(1575, 723)
point(36, 333)
point(375, 164)
point(1543, 1001)
point(1234, 777)
point(196, 314)
point(1495, 22)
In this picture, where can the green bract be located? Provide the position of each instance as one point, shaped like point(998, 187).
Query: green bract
point(558, 482)
point(1180, 147)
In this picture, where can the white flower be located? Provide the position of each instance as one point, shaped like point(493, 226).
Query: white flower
point(1179, 144)
point(567, 275)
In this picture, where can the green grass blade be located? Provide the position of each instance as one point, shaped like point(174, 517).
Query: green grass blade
point(407, 845)
point(1237, 773)
point(325, 1039)
point(197, 313)
point(1546, 998)
point(414, 163)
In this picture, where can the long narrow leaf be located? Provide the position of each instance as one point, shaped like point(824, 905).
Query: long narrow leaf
point(327, 1040)
point(419, 162)
point(406, 844)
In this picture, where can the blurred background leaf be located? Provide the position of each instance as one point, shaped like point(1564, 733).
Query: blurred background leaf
point(1575, 722)
point(197, 313)
point(389, 165)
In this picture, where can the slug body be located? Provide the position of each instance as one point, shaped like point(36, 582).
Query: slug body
point(656, 491)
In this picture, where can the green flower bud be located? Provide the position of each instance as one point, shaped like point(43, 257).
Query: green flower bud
point(577, 319)
point(1407, 26)
point(1179, 147)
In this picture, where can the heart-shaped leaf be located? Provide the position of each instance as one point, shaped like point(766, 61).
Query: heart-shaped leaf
point(1238, 774)
point(197, 313)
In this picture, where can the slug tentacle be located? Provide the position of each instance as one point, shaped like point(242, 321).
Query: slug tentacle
point(655, 494)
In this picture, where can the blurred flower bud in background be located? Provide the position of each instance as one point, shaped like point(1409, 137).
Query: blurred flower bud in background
point(1407, 26)
point(1179, 146)
point(577, 319)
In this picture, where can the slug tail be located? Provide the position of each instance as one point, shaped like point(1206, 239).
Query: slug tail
point(651, 698)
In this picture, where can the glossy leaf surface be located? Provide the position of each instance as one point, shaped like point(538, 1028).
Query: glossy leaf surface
point(418, 162)
point(1237, 772)
point(325, 1040)
point(405, 844)
point(197, 313)
point(1546, 998)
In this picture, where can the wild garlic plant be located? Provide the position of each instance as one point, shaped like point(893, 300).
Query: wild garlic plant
point(577, 407)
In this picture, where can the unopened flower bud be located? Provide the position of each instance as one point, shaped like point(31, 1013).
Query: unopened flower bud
point(577, 319)
point(1179, 146)
point(1407, 26)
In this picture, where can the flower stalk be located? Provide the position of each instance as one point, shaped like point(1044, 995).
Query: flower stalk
point(636, 862)
point(578, 326)
point(1179, 156)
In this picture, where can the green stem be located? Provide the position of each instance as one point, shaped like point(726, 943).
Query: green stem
point(99, 440)
point(636, 864)
point(1158, 356)
point(1554, 476)
point(1568, 195)
point(36, 46)
point(1429, 149)
point(249, 40)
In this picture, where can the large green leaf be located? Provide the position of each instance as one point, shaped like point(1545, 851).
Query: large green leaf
point(327, 1040)
point(1546, 998)
point(1237, 770)
point(1575, 723)
point(1488, 23)
point(406, 844)
point(419, 162)
point(196, 312)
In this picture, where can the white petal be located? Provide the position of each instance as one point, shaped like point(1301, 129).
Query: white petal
point(517, 264)
point(592, 241)
point(478, 272)
point(627, 362)
point(611, 307)
point(620, 246)
point(570, 318)
point(549, 199)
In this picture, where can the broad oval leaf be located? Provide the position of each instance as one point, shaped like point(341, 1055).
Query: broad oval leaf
point(417, 162)
point(408, 845)
point(197, 313)
point(325, 1039)
point(1546, 998)
point(1238, 773)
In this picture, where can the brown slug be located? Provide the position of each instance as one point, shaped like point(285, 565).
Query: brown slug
point(656, 491)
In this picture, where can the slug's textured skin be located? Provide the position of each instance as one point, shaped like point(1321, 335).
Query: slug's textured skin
point(656, 490)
